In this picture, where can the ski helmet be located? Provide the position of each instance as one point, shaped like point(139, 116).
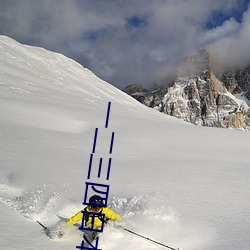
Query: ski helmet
point(96, 200)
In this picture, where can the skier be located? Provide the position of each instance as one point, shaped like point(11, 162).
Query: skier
point(98, 220)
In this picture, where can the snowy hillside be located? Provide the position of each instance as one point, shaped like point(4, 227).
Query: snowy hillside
point(182, 185)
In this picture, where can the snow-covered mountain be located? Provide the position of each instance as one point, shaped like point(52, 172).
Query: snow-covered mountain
point(182, 185)
point(201, 95)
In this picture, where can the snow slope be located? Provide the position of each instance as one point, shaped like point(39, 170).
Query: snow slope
point(182, 185)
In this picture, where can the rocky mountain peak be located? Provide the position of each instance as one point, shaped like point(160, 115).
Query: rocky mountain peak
point(200, 96)
point(197, 64)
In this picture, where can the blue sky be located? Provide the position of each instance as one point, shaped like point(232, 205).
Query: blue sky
point(131, 41)
point(218, 17)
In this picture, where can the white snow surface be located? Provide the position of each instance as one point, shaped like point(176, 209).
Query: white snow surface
point(182, 185)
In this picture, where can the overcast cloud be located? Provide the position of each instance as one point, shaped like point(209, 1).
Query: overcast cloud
point(131, 41)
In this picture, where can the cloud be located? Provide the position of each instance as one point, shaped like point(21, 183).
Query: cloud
point(233, 49)
point(228, 28)
point(121, 41)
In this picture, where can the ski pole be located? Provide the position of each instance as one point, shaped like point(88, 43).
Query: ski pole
point(159, 243)
point(45, 228)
